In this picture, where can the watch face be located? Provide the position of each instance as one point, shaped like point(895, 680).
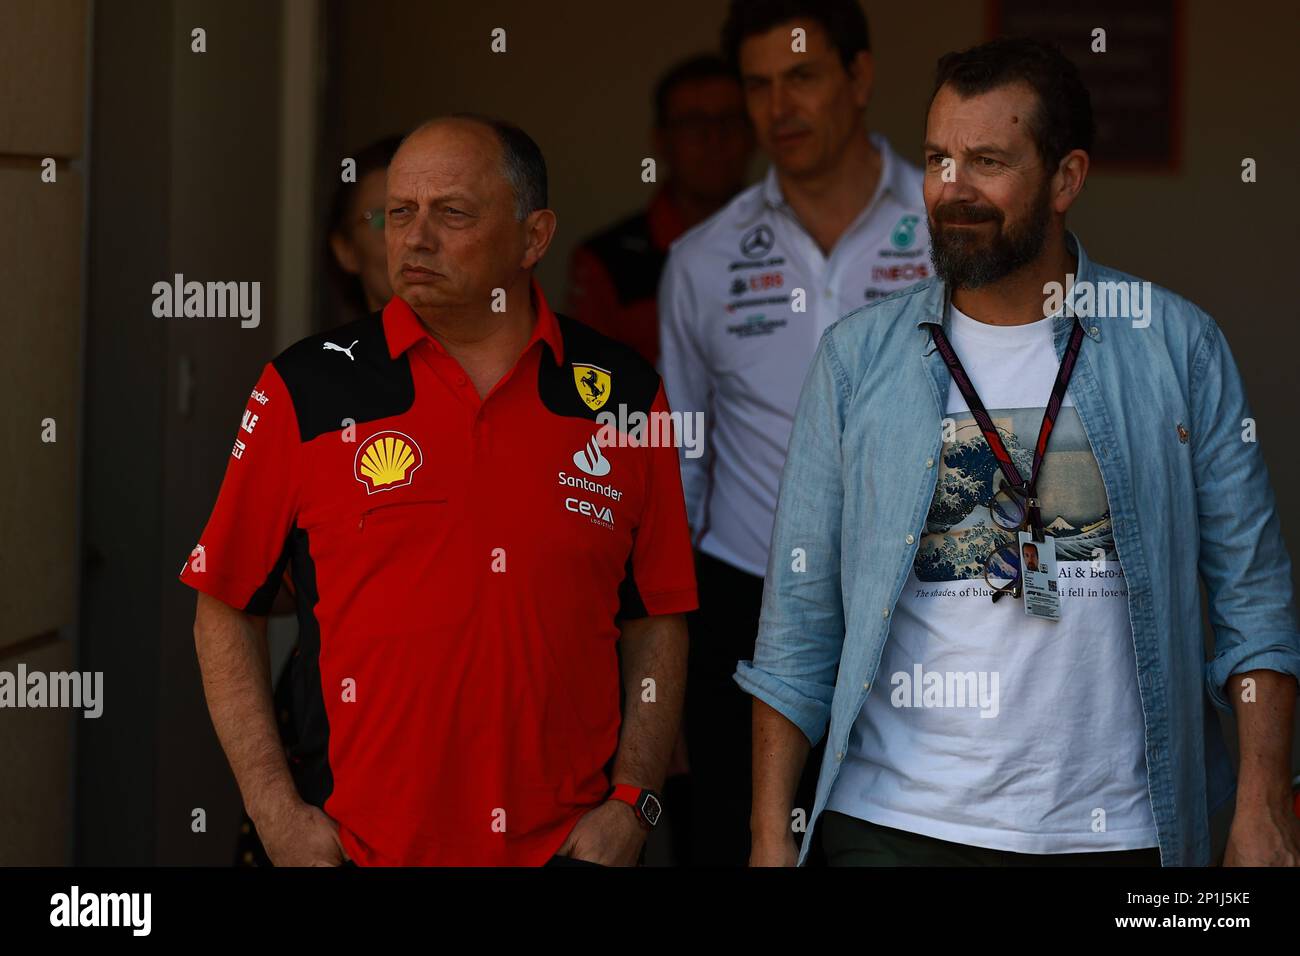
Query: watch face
point(651, 809)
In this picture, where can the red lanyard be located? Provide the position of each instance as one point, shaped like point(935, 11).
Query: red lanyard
point(1028, 489)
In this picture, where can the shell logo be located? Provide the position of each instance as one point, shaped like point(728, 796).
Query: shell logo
point(386, 461)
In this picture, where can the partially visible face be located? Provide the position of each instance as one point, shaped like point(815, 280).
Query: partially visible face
point(993, 218)
point(706, 138)
point(367, 255)
point(450, 220)
point(805, 106)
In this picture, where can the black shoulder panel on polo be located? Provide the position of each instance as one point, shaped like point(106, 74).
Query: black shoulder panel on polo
point(310, 764)
point(328, 386)
point(631, 258)
point(632, 380)
point(264, 597)
point(630, 605)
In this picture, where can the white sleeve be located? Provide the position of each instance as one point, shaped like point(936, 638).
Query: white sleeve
point(685, 370)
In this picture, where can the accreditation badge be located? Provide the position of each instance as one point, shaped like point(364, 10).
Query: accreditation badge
point(1038, 576)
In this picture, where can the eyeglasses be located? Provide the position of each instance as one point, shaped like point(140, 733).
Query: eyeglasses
point(1010, 511)
point(374, 218)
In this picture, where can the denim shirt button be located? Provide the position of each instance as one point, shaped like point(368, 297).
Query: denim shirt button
point(885, 613)
point(910, 539)
point(929, 463)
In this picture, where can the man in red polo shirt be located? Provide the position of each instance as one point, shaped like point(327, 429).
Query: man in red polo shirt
point(470, 560)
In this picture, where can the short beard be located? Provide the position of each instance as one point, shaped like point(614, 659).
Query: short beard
point(961, 260)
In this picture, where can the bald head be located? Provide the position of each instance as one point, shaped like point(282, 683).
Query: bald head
point(521, 161)
point(466, 212)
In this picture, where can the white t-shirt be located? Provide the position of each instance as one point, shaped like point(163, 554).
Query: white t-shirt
point(985, 726)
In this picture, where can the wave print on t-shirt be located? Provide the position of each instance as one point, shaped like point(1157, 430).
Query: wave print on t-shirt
point(959, 531)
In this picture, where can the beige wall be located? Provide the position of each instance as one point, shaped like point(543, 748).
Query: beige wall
point(42, 57)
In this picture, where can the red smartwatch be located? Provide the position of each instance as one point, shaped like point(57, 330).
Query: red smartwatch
point(645, 803)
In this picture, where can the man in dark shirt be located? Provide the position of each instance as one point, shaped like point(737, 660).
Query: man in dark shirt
point(702, 135)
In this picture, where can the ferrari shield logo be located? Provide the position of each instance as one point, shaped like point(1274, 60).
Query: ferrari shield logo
point(593, 385)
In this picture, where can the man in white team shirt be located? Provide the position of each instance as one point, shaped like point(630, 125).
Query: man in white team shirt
point(837, 222)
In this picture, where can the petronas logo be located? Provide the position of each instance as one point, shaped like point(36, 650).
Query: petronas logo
point(904, 233)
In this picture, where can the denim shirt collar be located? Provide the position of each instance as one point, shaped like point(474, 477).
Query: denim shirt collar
point(934, 306)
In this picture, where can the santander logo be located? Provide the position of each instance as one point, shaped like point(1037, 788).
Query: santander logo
point(590, 460)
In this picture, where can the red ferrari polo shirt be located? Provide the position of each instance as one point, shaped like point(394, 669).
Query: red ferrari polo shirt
point(460, 565)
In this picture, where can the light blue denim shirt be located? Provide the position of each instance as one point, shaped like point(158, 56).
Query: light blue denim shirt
point(1165, 414)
